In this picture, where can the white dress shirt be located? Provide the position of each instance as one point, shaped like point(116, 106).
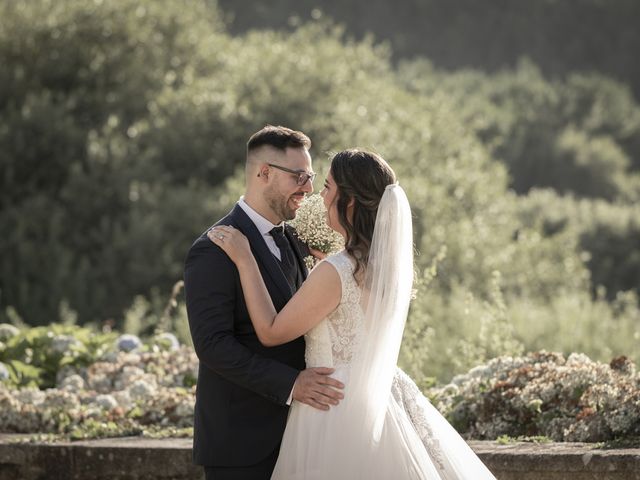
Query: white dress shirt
point(264, 226)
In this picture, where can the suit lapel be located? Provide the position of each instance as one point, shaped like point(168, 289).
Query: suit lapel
point(267, 262)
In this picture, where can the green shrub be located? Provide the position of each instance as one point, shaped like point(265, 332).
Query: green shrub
point(36, 355)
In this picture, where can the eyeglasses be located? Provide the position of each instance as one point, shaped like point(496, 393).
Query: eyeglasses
point(301, 177)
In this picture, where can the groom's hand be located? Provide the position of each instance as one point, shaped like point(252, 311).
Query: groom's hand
point(316, 388)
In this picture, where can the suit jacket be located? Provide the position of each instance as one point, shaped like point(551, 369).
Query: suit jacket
point(243, 386)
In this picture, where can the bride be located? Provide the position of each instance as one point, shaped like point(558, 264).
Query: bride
point(352, 310)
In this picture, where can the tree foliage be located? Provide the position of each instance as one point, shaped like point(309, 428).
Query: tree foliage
point(581, 135)
point(82, 198)
point(488, 35)
point(122, 137)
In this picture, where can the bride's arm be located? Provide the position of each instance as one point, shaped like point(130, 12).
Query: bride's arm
point(318, 296)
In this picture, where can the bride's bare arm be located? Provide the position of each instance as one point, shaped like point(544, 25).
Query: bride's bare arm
point(318, 296)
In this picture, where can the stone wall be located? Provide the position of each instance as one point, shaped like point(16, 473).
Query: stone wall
point(131, 458)
point(558, 461)
point(146, 459)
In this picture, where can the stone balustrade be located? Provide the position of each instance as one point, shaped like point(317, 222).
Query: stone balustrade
point(135, 458)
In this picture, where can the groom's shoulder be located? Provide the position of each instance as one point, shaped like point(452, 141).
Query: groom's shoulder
point(203, 244)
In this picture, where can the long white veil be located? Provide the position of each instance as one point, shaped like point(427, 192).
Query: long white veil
point(387, 293)
point(385, 299)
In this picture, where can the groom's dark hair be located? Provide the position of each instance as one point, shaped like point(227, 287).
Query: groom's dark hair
point(278, 137)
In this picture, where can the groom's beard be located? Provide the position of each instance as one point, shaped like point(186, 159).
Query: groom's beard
point(284, 207)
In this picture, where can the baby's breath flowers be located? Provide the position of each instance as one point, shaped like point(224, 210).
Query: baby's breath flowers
point(312, 228)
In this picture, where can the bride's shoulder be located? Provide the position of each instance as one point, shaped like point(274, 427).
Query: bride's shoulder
point(342, 261)
point(340, 258)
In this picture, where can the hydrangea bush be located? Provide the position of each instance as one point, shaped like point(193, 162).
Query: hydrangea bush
point(570, 399)
point(132, 387)
point(123, 393)
point(63, 379)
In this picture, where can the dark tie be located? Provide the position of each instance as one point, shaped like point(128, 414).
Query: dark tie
point(287, 260)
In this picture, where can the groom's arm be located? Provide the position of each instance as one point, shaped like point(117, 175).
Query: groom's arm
point(211, 291)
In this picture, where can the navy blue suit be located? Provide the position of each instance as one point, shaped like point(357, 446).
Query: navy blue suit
point(240, 411)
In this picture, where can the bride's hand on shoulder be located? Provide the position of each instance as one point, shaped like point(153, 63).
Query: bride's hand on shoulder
point(232, 241)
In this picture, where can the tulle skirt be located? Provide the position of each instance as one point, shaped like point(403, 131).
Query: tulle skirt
point(317, 445)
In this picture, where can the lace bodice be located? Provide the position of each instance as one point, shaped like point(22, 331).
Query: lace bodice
point(335, 339)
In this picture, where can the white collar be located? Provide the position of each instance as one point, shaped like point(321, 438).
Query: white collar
point(264, 226)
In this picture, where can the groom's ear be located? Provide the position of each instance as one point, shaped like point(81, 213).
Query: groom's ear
point(264, 172)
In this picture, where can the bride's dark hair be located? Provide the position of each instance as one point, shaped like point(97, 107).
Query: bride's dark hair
point(362, 176)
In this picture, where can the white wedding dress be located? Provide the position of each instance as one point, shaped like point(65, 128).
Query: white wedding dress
point(415, 441)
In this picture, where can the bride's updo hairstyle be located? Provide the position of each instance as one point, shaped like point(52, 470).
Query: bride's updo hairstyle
point(362, 176)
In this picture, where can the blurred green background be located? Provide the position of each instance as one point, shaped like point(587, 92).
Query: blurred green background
point(513, 126)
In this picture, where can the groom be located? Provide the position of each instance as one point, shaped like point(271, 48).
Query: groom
point(244, 388)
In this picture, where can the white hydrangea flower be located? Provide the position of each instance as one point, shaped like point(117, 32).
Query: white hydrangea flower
point(60, 399)
point(185, 409)
point(72, 383)
point(128, 343)
point(30, 396)
point(100, 382)
point(106, 401)
point(481, 371)
point(578, 360)
point(94, 413)
point(123, 399)
point(460, 379)
point(127, 377)
point(168, 339)
point(141, 390)
point(67, 371)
